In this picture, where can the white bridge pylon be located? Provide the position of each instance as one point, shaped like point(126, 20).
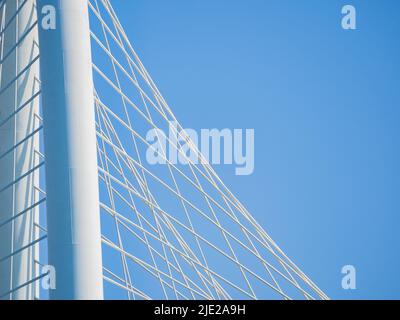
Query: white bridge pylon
point(76, 191)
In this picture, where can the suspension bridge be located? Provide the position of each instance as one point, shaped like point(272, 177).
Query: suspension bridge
point(77, 196)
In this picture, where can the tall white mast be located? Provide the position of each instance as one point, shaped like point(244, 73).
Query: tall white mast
point(74, 238)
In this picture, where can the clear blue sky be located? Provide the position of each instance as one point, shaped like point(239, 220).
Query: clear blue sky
point(325, 104)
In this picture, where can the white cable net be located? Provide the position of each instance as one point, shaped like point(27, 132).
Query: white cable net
point(170, 231)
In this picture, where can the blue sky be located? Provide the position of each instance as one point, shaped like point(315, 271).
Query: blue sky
point(325, 106)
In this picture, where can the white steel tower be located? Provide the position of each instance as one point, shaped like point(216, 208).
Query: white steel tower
point(19, 143)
